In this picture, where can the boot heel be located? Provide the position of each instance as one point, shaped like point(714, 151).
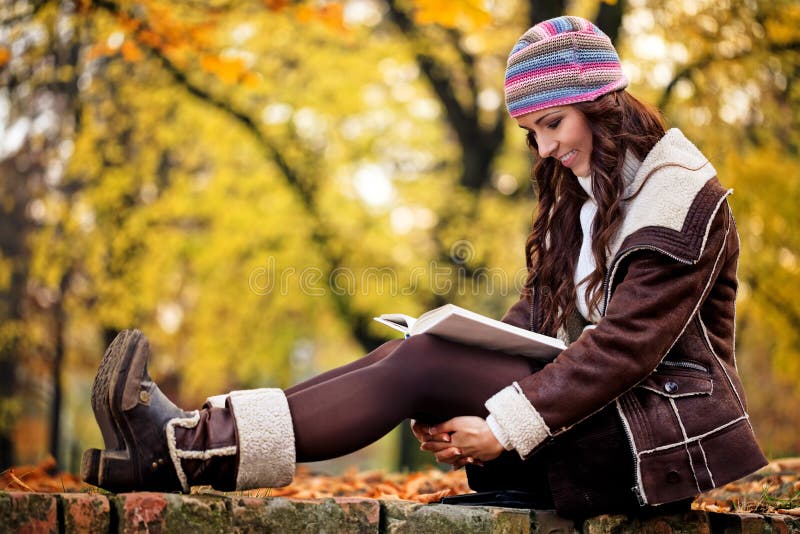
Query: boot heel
point(90, 466)
point(111, 470)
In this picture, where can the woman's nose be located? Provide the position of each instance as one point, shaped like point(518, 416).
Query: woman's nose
point(546, 146)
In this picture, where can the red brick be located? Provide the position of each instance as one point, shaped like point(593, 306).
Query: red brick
point(28, 513)
point(368, 510)
point(142, 512)
point(783, 524)
point(85, 512)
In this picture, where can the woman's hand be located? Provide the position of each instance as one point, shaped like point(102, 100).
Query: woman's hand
point(470, 441)
point(422, 432)
point(445, 452)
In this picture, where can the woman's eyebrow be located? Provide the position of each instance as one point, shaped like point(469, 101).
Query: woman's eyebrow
point(540, 119)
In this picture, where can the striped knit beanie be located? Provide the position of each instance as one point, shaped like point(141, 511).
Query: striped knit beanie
point(561, 61)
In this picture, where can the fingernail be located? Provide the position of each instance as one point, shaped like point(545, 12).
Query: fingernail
point(470, 460)
point(458, 452)
point(431, 430)
point(447, 438)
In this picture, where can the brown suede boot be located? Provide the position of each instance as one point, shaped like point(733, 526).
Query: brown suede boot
point(151, 444)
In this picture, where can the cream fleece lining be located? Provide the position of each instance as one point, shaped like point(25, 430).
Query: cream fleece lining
point(670, 177)
point(217, 401)
point(516, 416)
point(266, 438)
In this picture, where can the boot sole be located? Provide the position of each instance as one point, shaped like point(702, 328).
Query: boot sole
point(113, 466)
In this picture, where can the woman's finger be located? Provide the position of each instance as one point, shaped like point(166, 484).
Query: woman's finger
point(448, 455)
point(435, 446)
point(419, 430)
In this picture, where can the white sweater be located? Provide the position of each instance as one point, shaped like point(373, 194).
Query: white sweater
point(586, 264)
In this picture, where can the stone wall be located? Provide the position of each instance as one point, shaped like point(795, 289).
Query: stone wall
point(195, 514)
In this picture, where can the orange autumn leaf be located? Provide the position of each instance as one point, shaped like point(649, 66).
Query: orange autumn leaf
point(129, 24)
point(436, 496)
point(99, 50)
point(227, 70)
point(5, 56)
point(275, 5)
point(331, 15)
point(149, 38)
point(41, 478)
point(451, 13)
point(130, 52)
point(251, 80)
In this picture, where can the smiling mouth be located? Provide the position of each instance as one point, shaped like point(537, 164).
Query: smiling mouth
point(566, 157)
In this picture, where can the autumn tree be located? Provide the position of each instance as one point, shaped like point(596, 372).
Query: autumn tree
point(251, 182)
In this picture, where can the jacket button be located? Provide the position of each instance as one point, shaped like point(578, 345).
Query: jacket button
point(673, 477)
point(671, 387)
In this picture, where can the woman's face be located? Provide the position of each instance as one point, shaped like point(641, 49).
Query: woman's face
point(563, 133)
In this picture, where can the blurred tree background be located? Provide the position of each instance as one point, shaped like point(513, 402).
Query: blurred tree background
point(250, 182)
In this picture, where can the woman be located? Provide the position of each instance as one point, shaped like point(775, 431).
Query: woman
point(632, 261)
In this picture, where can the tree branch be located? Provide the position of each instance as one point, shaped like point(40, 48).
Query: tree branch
point(460, 119)
point(306, 193)
point(545, 9)
point(609, 18)
point(703, 62)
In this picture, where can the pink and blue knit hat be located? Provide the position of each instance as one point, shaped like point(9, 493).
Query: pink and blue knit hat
point(561, 61)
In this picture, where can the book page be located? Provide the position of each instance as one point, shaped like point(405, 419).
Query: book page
point(398, 321)
point(464, 326)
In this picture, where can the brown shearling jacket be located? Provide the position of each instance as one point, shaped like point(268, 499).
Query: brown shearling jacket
point(662, 355)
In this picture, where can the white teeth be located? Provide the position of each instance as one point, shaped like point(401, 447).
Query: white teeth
point(566, 156)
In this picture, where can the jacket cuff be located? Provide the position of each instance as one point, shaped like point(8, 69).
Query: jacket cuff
point(499, 434)
point(513, 412)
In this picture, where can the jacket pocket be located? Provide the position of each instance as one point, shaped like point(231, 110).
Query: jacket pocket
point(659, 408)
point(677, 382)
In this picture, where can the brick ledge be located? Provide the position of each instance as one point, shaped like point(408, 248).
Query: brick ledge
point(198, 513)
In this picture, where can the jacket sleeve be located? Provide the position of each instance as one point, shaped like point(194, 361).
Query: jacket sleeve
point(654, 299)
point(519, 314)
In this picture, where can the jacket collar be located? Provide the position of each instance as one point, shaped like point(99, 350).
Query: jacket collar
point(670, 200)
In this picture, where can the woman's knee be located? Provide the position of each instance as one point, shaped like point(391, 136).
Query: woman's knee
point(382, 351)
point(424, 353)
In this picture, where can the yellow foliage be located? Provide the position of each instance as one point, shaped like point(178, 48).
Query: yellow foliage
point(468, 14)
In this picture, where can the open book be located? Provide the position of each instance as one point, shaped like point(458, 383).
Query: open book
point(457, 324)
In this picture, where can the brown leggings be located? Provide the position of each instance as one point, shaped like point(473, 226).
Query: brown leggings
point(423, 377)
point(431, 379)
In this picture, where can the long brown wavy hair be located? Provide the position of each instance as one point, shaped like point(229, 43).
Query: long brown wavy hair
point(619, 122)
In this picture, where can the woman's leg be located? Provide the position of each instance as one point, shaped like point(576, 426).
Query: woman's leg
point(424, 377)
point(373, 357)
point(253, 437)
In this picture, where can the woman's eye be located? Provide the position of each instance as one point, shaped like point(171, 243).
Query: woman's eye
point(553, 125)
